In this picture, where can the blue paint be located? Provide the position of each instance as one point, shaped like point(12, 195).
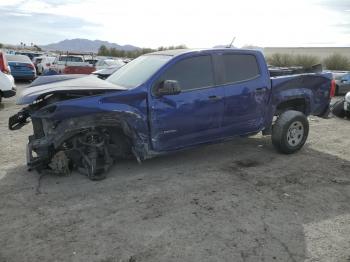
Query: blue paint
point(173, 122)
point(23, 71)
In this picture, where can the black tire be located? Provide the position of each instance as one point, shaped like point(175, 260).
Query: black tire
point(338, 108)
point(290, 131)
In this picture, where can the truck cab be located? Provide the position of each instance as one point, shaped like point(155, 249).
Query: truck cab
point(71, 63)
point(222, 94)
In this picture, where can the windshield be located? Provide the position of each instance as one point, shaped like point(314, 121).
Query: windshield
point(138, 70)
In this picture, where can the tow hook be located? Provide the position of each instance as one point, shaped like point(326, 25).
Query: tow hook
point(18, 120)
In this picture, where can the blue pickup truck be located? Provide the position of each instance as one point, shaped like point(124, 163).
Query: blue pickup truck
point(164, 102)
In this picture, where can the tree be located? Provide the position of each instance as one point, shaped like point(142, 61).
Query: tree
point(1, 45)
point(103, 50)
point(38, 48)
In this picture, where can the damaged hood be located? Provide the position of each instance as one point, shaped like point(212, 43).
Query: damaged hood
point(88, 83)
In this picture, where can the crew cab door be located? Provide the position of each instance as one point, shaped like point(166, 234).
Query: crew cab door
point(195, 114)
point(246, 87)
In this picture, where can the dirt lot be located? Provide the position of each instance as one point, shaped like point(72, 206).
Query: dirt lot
point(237, 201)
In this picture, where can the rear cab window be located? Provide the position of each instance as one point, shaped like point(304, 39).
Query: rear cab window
point(237, 68)
point(191, 73)
point(71, 58)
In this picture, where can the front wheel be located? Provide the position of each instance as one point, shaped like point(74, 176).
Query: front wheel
point(290, 131)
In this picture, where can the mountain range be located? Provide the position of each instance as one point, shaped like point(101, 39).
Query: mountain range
point(85, 45)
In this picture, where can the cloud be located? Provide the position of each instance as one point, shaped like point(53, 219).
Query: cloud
point(344, 27)
point(42, 28)
point(337, 5)
point(154, 23)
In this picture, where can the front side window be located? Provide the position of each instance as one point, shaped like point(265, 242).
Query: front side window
point(191, 73)
point(239, 67)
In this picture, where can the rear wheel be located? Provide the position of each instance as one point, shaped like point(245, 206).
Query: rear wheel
point(290, 132)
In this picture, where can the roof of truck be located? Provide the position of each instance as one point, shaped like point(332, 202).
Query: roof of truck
point(176, 52)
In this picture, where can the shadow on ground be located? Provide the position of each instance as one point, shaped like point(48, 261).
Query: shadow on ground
point(238, 201)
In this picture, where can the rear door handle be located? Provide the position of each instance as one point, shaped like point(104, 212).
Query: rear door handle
point(214, 97)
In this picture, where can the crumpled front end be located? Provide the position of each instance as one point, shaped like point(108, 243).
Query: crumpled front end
point(88, 133)
point(85, 150)
point(89, 144)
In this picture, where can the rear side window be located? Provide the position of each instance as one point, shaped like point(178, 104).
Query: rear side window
point(239, 67)
point(191, 73)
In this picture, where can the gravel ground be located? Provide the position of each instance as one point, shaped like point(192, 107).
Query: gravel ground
point(236, 201)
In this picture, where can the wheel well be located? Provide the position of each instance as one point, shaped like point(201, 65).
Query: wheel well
point(122, 140)
point(297, 104)
point(119, 143)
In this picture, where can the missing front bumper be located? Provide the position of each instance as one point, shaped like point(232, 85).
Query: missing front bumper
point(36, 160)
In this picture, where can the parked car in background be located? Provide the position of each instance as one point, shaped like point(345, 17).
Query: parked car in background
point(106, 63)
point(7, 83)
point(342, 84)
point(71, 64)
point(341, 108)
point(31, 55)
point(45, 64)
point(91, 61)
point(22, 68)
point(36, 61)
point(347, 104)
point(106, 72)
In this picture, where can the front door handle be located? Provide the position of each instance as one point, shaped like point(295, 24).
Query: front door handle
point(214, 97)
point(260, 90)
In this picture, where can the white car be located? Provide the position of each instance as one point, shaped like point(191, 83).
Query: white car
point(45, 63)
point(341, 108)
point(7, 83)
point(106, 63)
point(62, 61)
point(347, 103)
point(7, 86)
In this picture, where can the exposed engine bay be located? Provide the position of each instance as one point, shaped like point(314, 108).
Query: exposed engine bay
point(89, 144)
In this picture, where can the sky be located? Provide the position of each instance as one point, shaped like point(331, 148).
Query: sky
point(196, 24)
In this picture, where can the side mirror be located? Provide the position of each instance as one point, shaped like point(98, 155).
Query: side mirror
point(167, 87)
